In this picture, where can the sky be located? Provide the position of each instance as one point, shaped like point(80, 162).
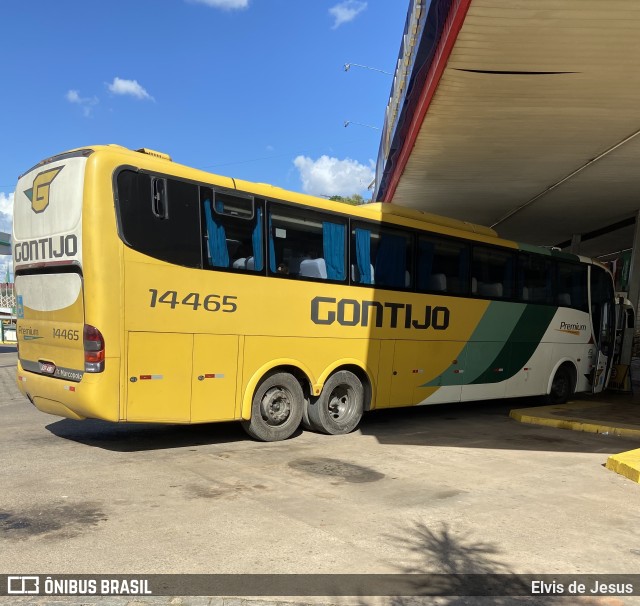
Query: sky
point(252, 89)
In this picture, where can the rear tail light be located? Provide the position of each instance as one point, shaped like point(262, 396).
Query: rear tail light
point(93, 349)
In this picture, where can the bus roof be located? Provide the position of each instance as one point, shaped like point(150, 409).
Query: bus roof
point(387, 212)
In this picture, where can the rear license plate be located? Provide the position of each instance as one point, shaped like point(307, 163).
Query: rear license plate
point(47, 368)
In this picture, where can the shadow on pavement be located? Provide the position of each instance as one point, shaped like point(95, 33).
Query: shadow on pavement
point(461, 570)
point(483, 424)
point(135, 437)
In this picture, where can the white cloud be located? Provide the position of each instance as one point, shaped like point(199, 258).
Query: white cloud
point(6, 211)
point(86, 103)
point(330, 177)
point(346, 11)
point(224, 4)
point(6, 203)
point(119, 86)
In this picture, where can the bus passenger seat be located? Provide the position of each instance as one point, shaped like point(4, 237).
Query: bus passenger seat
point(313, 268)
point(564, 298)
point(355, 274)
point(494, 289)
point(240, 263)
point(474, 286)
point(438, 282)
point(525, 293)
point(251, 264)
point(294, 264)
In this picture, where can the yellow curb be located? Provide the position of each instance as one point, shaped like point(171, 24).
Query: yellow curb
point(627, 464)
point(559, 416)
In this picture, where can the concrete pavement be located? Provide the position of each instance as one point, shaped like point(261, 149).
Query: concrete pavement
point(453, 489)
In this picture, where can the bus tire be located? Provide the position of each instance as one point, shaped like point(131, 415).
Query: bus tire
point(339, 407)
point(306, 423)
point(276, 409)
point(561, 386)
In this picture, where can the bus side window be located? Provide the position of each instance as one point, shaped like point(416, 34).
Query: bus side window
point(382, 257)
point(306, 245)
point(492, 272)
point(443, 265)
point(536, 279)
point(159, 217)
point(572, 285)
point(232, 230)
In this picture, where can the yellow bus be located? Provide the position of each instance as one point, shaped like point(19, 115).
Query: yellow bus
point(148, 291)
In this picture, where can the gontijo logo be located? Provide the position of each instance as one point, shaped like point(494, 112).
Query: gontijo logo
point(572, 329)
point(39, 193)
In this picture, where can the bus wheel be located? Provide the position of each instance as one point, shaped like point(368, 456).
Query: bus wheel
point(561, 387)
point(339, 408)
point(276, 409)
point(306, 423)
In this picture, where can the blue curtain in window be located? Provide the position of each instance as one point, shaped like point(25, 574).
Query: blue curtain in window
point(333, 236)
point(256, 241)
point(391, 261)
point(425, 264)
point(363, 255)
point(216, 238)
point(272, 248)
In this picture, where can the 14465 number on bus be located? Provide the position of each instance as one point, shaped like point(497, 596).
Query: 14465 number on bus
point(194, 300)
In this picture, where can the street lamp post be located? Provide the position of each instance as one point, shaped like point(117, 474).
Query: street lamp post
point(348, 66)
point(347, 122)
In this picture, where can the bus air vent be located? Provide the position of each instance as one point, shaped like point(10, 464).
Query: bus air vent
point(155, 154)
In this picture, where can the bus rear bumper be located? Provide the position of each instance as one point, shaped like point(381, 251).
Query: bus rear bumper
point(52, 407)
point(90, 398)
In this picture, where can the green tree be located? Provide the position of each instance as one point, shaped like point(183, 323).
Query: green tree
point(354, 199)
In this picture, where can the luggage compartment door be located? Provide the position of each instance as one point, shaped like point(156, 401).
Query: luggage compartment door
point(159, 369)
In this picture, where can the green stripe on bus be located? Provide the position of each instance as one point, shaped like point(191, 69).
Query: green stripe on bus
point(534, 249)
point(523, 341)
point(515, 331)
point(487, 341)
point(485, 344)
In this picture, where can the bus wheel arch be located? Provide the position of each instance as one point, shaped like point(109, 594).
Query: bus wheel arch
point(299, 371)
point(345, 395)
point(563, 382)
point(277, 405)
point(358, 370)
